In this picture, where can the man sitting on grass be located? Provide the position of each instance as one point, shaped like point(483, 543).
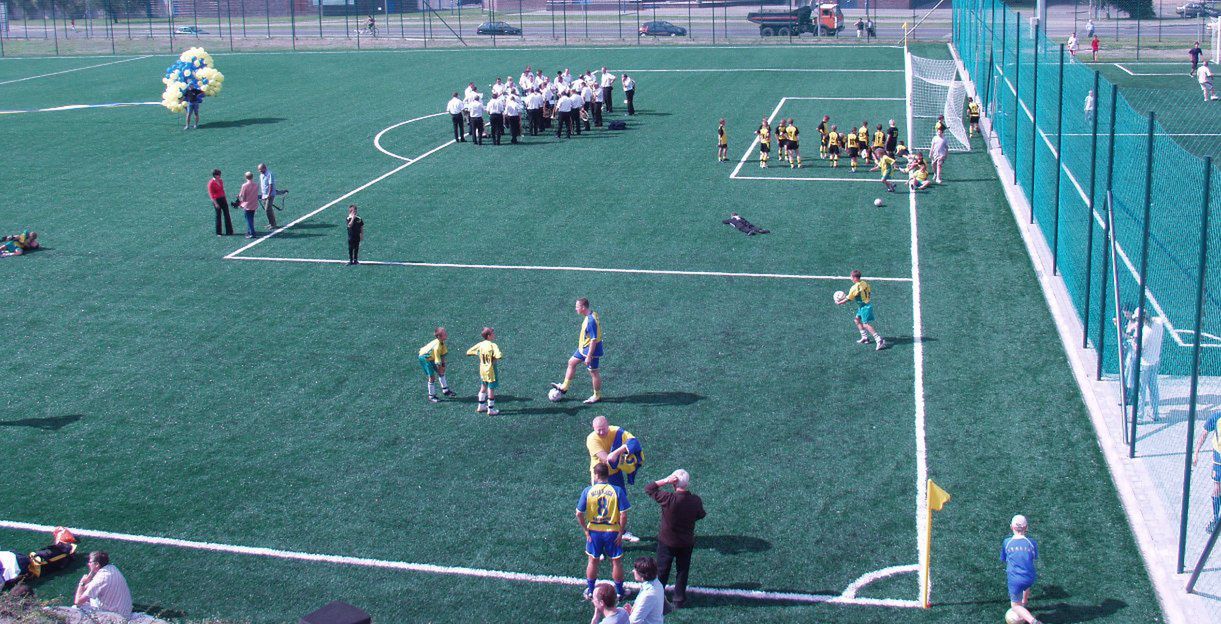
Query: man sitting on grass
point(18, 244)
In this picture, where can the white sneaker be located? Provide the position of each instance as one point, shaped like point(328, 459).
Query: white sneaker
point(863, 340)
point(481, 408)
point(493, 411)
point(881, 344)
point(628, 537)
point(593, 398)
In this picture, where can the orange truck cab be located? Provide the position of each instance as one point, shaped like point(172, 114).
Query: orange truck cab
point(821, 19)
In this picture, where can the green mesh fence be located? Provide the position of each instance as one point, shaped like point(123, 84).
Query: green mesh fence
point(1073, 139)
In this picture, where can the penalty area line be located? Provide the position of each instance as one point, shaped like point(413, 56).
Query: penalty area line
point(428, 568)
point(522, 267)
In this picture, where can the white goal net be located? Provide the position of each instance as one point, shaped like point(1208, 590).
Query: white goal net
point(935, 93)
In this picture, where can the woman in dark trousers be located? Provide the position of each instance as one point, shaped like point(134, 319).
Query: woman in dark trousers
point(356, 233)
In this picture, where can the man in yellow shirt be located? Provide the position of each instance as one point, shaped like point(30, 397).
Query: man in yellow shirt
point(432, 360)
point(863, 295)
point(618, 450)
point(862, 137)
point(886, 164)
point(853, 144)
point(589, 352)
point(833, 146)
point(602, 515)
point(488, 354)
point(722, 143)
point(765, 143)
point(794, 151)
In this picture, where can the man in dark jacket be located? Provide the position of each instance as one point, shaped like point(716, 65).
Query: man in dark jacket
point(680, 510)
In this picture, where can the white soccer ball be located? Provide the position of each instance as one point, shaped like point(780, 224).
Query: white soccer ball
point(554, 395)
point(838, 296)
point(1011, 617)
point(877, 202)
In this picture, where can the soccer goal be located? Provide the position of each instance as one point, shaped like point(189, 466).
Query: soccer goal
point(936, 92)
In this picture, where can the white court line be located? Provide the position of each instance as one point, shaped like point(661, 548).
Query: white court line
point(75, 69)
point(233, 256)
point(833, 70)
point(917, 353)
point(850, 99)
point(753, 143)
point(1123, 255)
point(377, 140)
point(1124, 68)
point(801, 179)
point(78, 107)
point(428, 568)
point(524, 267)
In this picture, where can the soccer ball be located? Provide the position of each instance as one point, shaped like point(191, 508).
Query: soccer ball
point(554, 395)
point(1011, 617)
point(877, 202)
point(838, 296)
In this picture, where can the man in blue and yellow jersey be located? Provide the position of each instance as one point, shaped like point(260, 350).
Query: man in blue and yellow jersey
point(432, 360)
point(1019, 554)
point(863, 294)
point(886, 164)
point(617, 449)
point(765, 143)
point(602, 515)
point(1210, 427)
point(589, 351)
point(833, 145)
point(488, 354)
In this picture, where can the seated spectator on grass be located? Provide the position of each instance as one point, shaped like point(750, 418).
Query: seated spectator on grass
point(102, 594)
point(650, 604)
point(605, 609)
point(18, 244)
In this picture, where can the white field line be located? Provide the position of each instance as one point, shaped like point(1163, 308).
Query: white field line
point(877, 575)
point(377, 140)
point(1132, 73)
point(850, 99)
point(451, 50)
point(755, 141)
point(350, 193)
point(800, 179)
point(427, 568)
point(1123, 255)
point(917, 353)
point(1124, 68)
point(812, 70)
point(1142, 134)
point(75, 69)
point(517, 267)
point(66, 107)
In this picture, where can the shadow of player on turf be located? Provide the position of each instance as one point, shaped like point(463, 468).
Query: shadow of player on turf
point(656, 398)
point(1064, 613)
point(48, 423)
point(242, 123)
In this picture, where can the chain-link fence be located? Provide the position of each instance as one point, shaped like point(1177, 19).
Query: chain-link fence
point(47, 27)
point(1131, 216)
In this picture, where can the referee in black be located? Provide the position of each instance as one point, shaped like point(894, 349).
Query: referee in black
point(356, 233)
point(892, 138)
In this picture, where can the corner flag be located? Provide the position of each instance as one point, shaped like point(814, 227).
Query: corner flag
point(937, 498)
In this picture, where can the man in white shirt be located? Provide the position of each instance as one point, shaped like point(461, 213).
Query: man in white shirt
point(587, 96)
point(533, 104)
point(467, 98)
point(608, 82)
point(496, 110)
point(563, 107)
point(1150, 361)
point(578, 104)
point(513, 117)
point(526, 79)
point(937, 153)
point(102, 593)
point(597, 107)
point(498, 88)
point(454, 108)
point(650, 604)
point(629, 93)
point(474, 111)
point(1205, 76)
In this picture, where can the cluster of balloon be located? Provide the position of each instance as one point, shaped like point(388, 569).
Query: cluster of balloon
point(193, 69)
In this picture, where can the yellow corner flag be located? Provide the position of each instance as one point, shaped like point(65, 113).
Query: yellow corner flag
point(937, 498)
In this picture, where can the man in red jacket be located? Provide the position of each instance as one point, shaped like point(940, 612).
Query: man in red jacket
point(216, 191)
point(680, 510)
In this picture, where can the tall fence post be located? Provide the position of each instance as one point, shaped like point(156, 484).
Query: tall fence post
point(292, 22)
point(267, 14)
point(1193, 395)
point(1138, 38)
point(1144, 287)
point(229, 16)
point(1004, 57)
point(1106, 258)
point(1055, 203)
point(1017, 90)
point(320, 6)
point(1089, 217)
point(1034, 121)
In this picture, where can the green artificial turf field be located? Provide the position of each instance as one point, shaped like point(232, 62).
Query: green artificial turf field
point(273, 399)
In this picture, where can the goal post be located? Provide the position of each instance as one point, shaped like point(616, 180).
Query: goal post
point(936, 92)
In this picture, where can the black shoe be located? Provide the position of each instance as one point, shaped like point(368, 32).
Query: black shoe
point(449, 393)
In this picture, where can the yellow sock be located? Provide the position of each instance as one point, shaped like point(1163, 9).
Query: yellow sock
point(564, 386)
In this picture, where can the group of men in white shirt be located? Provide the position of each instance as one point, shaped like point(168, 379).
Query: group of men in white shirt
point(569, 101)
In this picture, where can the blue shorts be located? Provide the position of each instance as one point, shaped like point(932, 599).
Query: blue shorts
point(1018, 588)
point(865, 313)
point(490, 384)
point(1216, 472)
point(593, 363)
point(430, 367)
point(192, 107)
point(603, 544)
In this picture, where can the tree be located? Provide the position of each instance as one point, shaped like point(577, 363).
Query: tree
point(1136, 9)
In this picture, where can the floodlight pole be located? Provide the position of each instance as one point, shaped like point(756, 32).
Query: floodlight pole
point(1193, 395)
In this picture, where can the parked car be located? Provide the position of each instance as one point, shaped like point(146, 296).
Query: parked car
point(662, 29)
point(1198, 9)
point(498, 28)
point(189, 30)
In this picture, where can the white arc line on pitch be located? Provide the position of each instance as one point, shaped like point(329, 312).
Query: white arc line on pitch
point(366, 562)
point(377, 140)
point(523, 267)
point(350, 193)
point(75, 69)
